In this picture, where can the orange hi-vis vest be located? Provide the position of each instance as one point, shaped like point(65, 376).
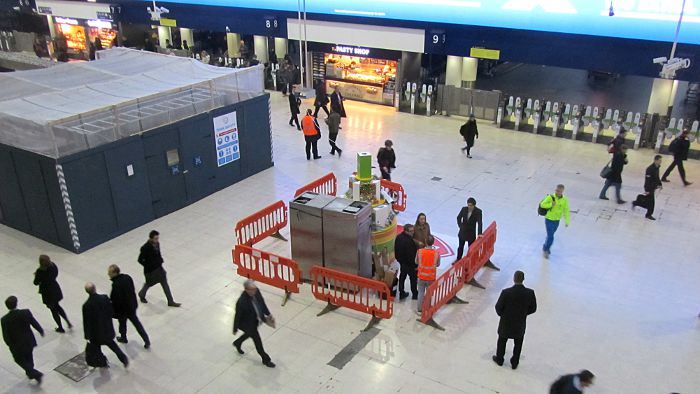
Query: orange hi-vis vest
point(427, 264)
point(308, 126)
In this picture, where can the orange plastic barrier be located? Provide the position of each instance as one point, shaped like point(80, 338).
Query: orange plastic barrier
point(268, 268)
point(480, 252)
point(326, 184)
point(341, 289)
point(262, 224)
point(442, 291)
point(396, 190)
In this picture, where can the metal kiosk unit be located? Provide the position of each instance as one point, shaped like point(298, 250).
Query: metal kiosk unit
point(306, 230)
point(347, 238)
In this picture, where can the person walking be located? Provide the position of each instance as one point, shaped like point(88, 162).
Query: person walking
point(614, 176)
point(123, 297)
point(428, 261)
point(513, 306)
point(557, 206)
point(421, 231)
point(470, 225)
point(251, 312)
point(333, 122)
point(386, 158)
point(573, 383)
point(51, 294)
point(153, 271)
point(294, 103)
point(321, 100)
point(337, 104)
point(312, 133)
point(405, 251)
point(97, 324)
point(469, 131)
point(651, 183)
point(17, 333)
point(679, 147)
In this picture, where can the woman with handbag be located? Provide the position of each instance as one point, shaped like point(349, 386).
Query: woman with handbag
point(613, 174)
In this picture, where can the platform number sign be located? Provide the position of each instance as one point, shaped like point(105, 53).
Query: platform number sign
point(436, 41)
point(271, 24)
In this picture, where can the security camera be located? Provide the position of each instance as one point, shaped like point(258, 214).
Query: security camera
point(164, 10)
point(660, 60)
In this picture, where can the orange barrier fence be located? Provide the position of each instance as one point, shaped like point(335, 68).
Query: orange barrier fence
point(326, 184)
point(268, 268)
point(262, 224)
point(340, 289)
point(444, 290)
point(396, 191)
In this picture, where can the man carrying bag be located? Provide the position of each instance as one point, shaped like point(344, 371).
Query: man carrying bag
point(652, 182)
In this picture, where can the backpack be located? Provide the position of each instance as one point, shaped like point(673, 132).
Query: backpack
point(542, 211)
point(673, 146)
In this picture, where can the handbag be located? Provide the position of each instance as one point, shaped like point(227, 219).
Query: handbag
point(605, 172)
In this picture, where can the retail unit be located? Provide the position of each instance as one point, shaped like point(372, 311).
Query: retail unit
point(306, 229)
point(346, 237)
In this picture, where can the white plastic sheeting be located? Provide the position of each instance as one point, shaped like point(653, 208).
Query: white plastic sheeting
point(73, 107)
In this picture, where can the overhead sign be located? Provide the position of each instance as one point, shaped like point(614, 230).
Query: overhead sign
point(168, 22)
point(636, 19)
point(483, 53)
point(107, 16)
point(226, 139)
point(65, 21)
point(44, 10)
point(99, 24)
point(350, 50)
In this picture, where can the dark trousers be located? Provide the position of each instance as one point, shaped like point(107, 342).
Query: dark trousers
point(294, 119)
point(681, 170)
point(325, 108)
point(501, 349)
point(115, 348)
point(410, 271)
point(153, 278)
point(255, 336)
point(385, 174)
point(311, 145)
point(331, 140)
point(647, 201)
point(25, 359)
point(606, 185)
point(137, 324)
point(57, 312)
point(460, 249)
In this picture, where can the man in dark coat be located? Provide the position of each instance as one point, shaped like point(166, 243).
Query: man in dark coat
point(572, 384)
point(123, 297)
point(321, 100)
point(405, 250)
point(651, 183)
point(337, 102)
point(513, 306)
point(617, 142)
point(386, 158)
point(333, 122)
point(18, 335)
point(152, 262)
point(469, 132)
point(679, 148)
point(470, 225)
point(614, 178)
point(97, 323)
point(294, 103)
point(251, 312)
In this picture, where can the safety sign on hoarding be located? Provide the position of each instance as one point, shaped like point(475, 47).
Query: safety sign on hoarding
point(226, 138)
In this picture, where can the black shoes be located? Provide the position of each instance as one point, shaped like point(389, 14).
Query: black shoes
point(403, 295)
point(603, 198)
point(650, 217)
point(621, 201)
point(414, 297)
point(317, 157)
point(147, 345)
point(497, 361)
point(687, 183)
point(664, 180)
point(269, 364)
point(514, 366)
point(174, 304)
point(60, 330)
point(238, 348)
point(122, 340)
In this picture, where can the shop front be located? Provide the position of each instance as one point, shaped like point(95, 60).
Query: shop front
point(363, 74)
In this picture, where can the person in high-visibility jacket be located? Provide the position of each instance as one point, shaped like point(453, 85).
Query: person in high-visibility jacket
point(312, 133)
point(428, 261)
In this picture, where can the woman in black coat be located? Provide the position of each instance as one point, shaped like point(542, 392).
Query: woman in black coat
point(614, 177)
point(45, 277)
point(469, 132)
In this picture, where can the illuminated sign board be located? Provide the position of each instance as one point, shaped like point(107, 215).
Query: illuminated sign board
point(65, 21)
point(349, 50)
point(99, 24)
point(636, 19)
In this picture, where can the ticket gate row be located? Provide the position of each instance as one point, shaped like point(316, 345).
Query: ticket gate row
point(417, 98)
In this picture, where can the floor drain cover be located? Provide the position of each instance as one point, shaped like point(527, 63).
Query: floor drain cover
point(74, 369)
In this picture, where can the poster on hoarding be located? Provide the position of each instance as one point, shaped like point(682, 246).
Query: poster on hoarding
point(226, 138)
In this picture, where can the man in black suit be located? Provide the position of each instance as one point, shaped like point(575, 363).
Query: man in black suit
point(651, 183)
point(572, 384)
point(405, 250)
point(123, 297)
point(470, 225)
point(337, 102)
point(679, 147)
point(294, 103)
point(513, 306)
point(97, 322)
point(152, 262)
point(251, 312)
point(18, 335)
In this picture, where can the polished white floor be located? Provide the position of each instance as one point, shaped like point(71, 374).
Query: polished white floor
point(619, 296)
